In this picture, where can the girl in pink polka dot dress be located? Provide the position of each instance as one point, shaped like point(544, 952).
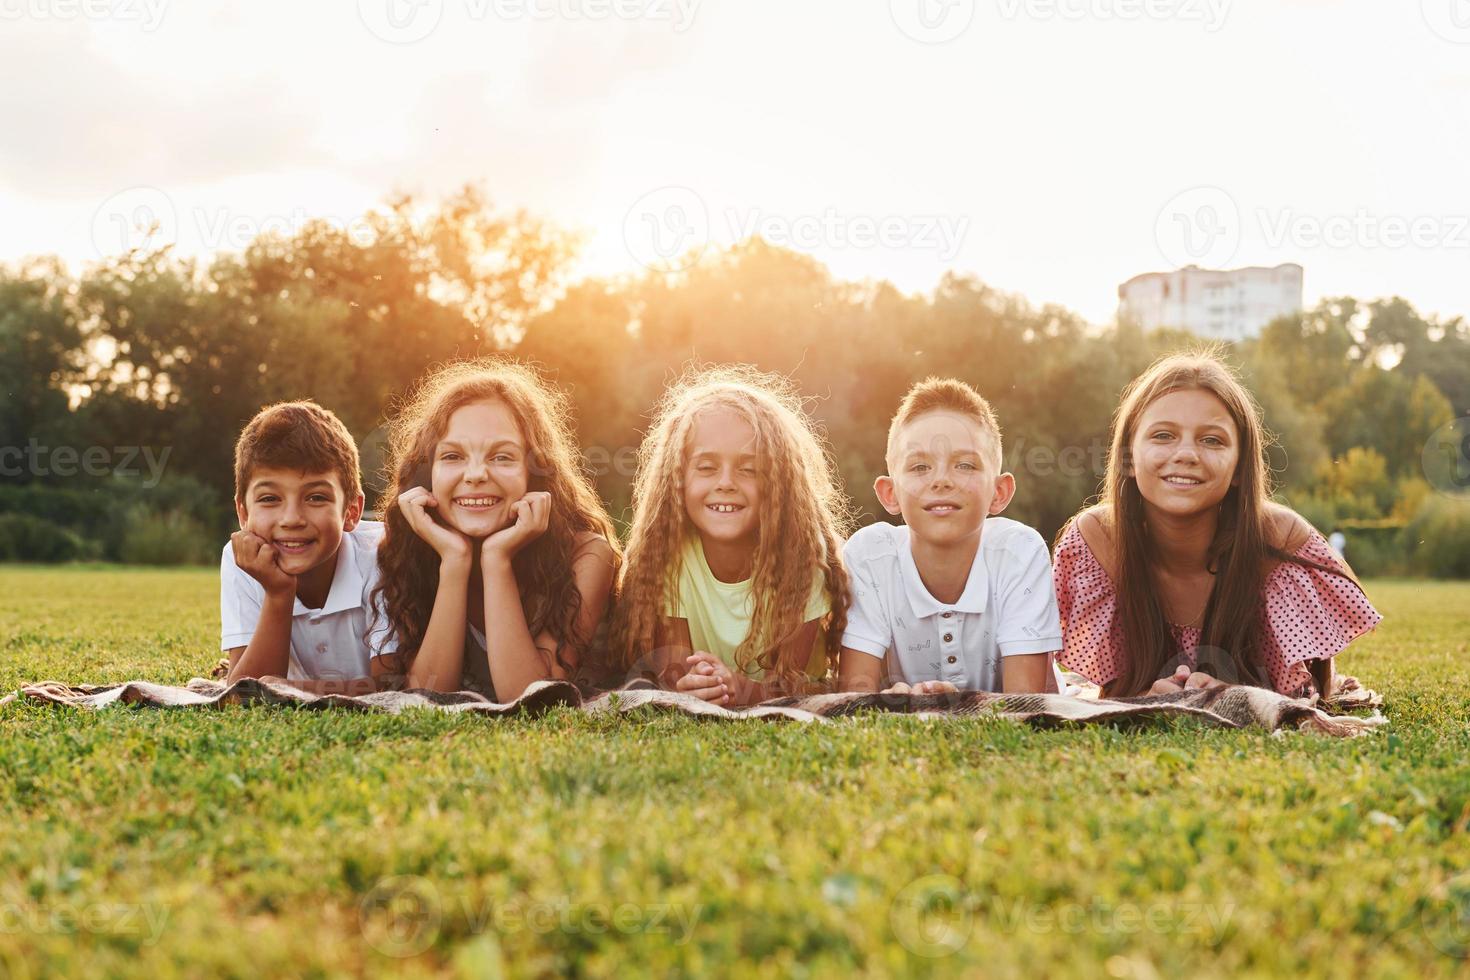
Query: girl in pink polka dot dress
point(1186, 575)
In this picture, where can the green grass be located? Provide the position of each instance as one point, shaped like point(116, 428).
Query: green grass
point(271, 841)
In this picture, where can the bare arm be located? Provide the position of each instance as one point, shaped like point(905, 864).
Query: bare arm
point(858, 671)
point(797, 649)
point(517, 660)
point(439, 663)
point(269, 650)
point(1025, 673)
point(671, 649)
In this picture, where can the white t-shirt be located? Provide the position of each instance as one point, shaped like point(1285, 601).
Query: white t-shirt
point(329, 643)
point(1008, 608)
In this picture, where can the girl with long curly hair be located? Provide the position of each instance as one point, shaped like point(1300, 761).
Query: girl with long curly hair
point(734, 589)
point(498, 558)
point(1186, 574)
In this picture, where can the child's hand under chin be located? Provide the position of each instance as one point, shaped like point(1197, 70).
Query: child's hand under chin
point(256, 557)
point(532, 515)
point(415, 503)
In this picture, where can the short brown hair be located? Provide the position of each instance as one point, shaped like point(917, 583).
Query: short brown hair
point(946, 395)
point(297, 436)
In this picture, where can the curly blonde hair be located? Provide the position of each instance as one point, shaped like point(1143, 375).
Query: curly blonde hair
point(804, 518)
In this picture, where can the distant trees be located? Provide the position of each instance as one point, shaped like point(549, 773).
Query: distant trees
point(147, 348)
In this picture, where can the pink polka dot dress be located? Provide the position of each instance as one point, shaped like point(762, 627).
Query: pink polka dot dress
point(1306, 615)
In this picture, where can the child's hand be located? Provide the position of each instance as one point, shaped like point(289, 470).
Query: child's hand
point(707, 679)
point(449, 544)
point(1199, 679)
point(935, 687)
point(256, 557)
point(1174, 683)
point(532, 514)
point(923, 687)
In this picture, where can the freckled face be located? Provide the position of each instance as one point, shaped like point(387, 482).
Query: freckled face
point(1186, 450)
point(722, 490)
point(480, 469)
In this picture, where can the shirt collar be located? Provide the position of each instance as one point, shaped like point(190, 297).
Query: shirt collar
point(972, 600)
point(347, 583)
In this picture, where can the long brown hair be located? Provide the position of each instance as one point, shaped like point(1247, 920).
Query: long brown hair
point(409, 565)
point(1238, 557)
point(804, 517)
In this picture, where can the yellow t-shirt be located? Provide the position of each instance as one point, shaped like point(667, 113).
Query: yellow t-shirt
point(719, 613)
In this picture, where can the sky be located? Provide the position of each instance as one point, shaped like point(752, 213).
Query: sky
point(1054, 148)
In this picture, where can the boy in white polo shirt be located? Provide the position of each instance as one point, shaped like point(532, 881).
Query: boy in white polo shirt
point(295, 579)
point(956, 598)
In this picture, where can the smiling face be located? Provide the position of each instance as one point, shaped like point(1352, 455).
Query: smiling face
point(722, 491)
point(943, 478)
point(302, 515)
point(1185, 452)
point(480, 469)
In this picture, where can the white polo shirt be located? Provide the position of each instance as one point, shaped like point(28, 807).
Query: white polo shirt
point(1008, 608)
point(329, 643)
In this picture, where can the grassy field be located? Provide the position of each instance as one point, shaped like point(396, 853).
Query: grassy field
point(271, 841)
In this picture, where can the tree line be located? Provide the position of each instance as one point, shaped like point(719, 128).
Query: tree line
point(150, 352)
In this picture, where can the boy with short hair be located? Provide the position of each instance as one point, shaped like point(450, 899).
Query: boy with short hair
point(296, 579)
point(955, 598)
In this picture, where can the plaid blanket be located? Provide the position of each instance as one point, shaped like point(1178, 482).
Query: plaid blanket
point(1230, 707)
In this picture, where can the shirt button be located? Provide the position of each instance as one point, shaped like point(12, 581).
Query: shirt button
point(953, 659)
point(947, 615)
point(948, 637)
